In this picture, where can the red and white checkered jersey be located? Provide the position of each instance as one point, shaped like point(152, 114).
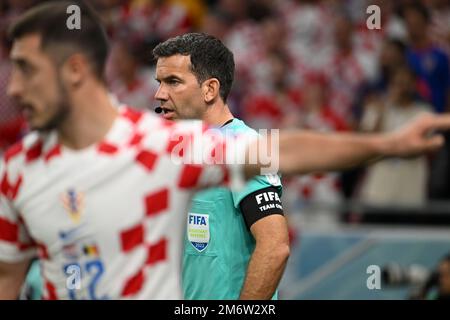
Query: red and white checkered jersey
point(107, 221)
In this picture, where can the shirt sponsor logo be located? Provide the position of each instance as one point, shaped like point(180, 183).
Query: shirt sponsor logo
point(198, 230)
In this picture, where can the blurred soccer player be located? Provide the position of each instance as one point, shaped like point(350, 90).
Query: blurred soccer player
point(91, 190)
point(95, 190)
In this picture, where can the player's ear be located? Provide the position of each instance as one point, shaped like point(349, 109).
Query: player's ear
point(211, 89)
point(75, 69)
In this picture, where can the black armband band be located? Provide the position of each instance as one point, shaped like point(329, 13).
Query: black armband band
point(260, 204)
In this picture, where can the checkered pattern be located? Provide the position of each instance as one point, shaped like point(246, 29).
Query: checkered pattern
point(309, 36)
point(346, 73)
point(123, 196)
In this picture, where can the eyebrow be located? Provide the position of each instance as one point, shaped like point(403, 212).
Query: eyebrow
point(168, 78)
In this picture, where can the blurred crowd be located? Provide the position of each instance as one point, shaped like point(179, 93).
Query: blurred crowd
point(310, 64)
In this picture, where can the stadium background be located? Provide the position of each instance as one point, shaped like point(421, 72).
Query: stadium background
point(314, 65)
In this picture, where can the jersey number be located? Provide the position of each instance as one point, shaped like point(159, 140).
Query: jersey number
point(93, 269)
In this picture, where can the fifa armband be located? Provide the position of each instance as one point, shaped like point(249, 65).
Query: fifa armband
point(260, 204)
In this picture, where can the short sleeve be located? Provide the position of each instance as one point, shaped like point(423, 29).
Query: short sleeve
point(15, 243)
point(255, 184)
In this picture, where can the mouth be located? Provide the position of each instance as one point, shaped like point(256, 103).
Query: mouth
point(168, 113)
point(26, 109)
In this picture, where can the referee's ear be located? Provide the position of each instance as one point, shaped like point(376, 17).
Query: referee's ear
point(211, 88)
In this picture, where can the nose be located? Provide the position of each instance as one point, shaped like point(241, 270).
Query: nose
point(15, 88)
point(161, 94)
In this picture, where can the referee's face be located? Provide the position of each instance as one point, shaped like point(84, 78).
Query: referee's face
point(35, 84)
point(179, 93)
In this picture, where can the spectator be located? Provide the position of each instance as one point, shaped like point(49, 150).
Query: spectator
point(270, 106)
point(428, 61)
point(216, 23)
point(309, 32)
point(432, 66)
point(315, 114)
point(392, 56)
point(394, 181)
point(348, 70)
point(133, 82)
point(440, 24)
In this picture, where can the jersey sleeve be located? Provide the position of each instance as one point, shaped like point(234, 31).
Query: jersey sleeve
point(258, 200)
point(15, 243)
point(255, 184)
point(260, 204)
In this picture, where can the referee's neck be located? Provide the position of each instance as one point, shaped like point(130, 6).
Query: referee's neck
point(218, 114)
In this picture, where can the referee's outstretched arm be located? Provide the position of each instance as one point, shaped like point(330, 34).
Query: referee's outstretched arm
point(303, 152)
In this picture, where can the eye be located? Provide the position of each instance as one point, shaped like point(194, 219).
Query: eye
point(173, 82)
point(25, 68)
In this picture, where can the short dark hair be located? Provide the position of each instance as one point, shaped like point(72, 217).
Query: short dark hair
point(210, 58)
point(49, 21)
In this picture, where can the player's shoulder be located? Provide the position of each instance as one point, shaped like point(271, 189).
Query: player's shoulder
point(265, 180)
point(26, 150)
point(237, 126)
point(15, 161)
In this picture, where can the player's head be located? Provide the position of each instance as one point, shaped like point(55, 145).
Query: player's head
point(194, 71)
point(52, 58)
